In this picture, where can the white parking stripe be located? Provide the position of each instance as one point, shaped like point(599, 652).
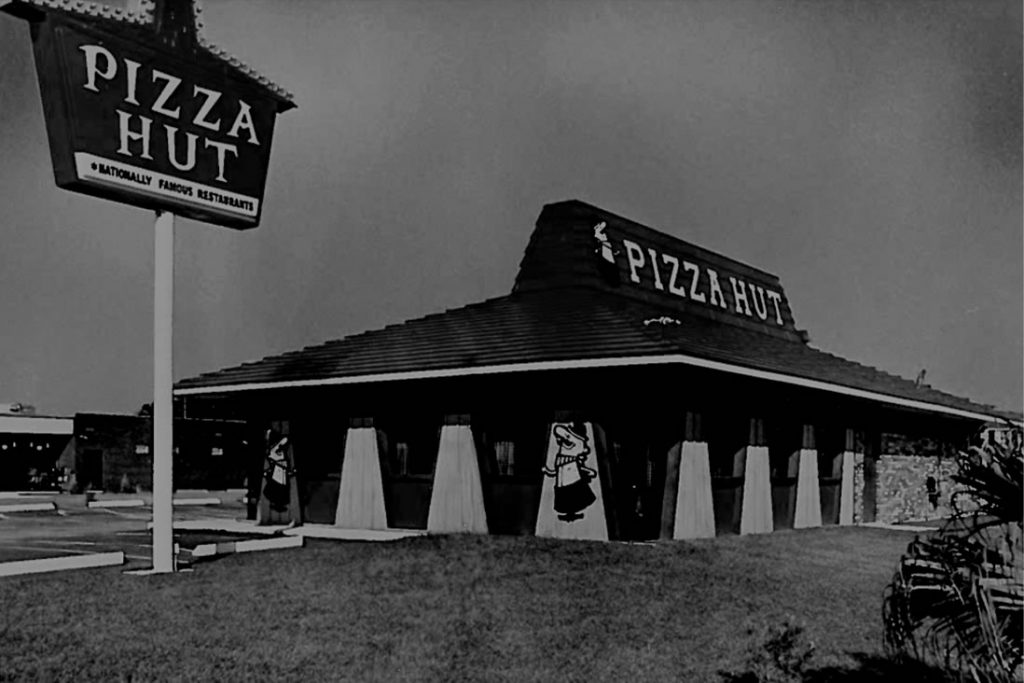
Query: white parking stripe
point(46, 550)
point(43, 540)
point(49, 564)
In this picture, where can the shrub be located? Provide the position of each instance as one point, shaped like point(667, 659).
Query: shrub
point(781, 655)
point(957, 598)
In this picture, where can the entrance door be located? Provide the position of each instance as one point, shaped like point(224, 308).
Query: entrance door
point(638, 460)
point(318, 444)
point(645, 473)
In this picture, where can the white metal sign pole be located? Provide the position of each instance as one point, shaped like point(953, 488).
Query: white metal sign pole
point(163, 409)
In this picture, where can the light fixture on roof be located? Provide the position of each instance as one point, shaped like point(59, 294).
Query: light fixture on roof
point(663, 320)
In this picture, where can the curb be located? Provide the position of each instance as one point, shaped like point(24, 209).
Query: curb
point(139, 502)
point(197, 501)
point(254, 545)
point(129, 503)
point(224, 525)
point(342, 534)
point(21, 495)
point(28, 507)
point(63, 563)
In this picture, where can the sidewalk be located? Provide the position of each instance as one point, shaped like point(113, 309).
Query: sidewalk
point(76, 502)
point(326, 531)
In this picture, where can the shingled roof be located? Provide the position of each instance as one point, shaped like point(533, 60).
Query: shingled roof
point(575, 316)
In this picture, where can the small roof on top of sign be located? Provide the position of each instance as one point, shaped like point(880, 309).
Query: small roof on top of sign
point(177, 23)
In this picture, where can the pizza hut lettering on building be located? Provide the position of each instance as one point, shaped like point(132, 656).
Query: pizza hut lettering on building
point(141, 109)
point(671, 274)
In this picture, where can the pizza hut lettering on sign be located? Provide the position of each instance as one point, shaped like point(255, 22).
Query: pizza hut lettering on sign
point(697, 282)
point(169, 133)
point(136, 130)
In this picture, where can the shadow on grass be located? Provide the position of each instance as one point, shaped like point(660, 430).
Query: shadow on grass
point(866, 667)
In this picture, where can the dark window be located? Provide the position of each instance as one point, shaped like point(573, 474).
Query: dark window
point(409, 445)
point(784, 441)
point(726, 438)
point(505, 458)
point(512, 446)
point(318, 446)
point(830, 442)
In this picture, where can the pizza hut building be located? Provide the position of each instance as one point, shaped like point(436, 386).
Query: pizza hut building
point(631, 386)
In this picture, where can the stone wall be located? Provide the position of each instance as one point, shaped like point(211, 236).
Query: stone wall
point(902, 487)
point(858, 488)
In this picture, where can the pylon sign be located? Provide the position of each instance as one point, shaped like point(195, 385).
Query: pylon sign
point(144, 113)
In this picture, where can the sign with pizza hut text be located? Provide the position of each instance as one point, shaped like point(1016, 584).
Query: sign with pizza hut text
point(137, 123)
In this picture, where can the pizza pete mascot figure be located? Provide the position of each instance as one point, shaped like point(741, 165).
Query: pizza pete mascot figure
point(278, 483)
point(572, 477)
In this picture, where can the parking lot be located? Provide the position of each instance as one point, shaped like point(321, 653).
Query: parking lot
point(71, 527)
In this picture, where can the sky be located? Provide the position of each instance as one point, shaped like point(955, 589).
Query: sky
point(866, 153)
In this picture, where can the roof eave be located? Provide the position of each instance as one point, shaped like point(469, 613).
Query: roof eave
point(626, 361)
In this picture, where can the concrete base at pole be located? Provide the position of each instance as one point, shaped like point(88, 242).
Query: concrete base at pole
point(695, 512)
point(361, 494)
point(457, 501)
point(756, 513)
point(808, 493)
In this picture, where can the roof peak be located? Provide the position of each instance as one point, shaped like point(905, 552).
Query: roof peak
point(581, 205)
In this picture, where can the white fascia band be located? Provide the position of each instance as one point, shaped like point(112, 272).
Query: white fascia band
point(629, 361)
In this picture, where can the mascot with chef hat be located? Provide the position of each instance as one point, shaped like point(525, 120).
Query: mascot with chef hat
point(572, 477)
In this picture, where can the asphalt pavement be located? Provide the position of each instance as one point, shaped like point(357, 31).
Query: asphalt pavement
point(74, 528)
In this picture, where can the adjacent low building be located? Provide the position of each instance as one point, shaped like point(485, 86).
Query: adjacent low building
point(29, 447)
point(632, 386)
point(113, 452)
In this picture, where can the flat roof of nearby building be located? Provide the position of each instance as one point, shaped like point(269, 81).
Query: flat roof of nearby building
point(595, 290)
point(36, 424)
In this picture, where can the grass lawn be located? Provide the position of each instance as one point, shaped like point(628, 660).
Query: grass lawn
point(455, 608)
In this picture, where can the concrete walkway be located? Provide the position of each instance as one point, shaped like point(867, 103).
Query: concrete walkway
point(327, 531)
point(899, 527)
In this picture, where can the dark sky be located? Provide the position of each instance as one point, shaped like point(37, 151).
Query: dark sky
point(868, 153)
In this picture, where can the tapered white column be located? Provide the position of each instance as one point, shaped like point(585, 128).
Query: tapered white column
point(457, 500)
point(361, 493)
point(695, 512)
point(756, 514)
point(846, 489)
point(694, 509)
point(756, 508)
point(571, 458)
point(808, 491)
